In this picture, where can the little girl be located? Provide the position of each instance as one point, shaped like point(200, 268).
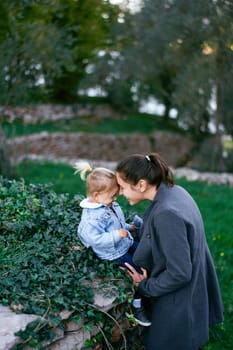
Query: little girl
point(103, 227)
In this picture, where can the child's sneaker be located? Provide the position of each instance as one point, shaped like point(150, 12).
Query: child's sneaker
point(139, 315)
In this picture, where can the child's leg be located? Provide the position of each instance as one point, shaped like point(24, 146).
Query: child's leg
point(128, 257)
point(137, 300)
point(139, 313)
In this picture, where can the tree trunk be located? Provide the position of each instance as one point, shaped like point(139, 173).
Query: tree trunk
point(6, 168)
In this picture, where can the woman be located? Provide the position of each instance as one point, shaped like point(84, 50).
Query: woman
point(179, 277)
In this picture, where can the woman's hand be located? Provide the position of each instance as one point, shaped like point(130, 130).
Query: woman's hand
point(136, 277)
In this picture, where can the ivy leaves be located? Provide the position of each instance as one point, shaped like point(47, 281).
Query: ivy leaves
point(44, 269)
point(43, 266)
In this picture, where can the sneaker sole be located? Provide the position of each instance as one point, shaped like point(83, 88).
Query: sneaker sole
point(145, 324)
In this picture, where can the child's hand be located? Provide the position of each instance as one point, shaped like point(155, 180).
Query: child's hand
point(132, 228)
point(123, 233)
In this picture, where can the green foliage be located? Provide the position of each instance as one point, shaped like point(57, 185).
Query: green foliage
point(47, 46)
point(34, 49)
point(180, 52)
point(44, 268)
point(91, 21)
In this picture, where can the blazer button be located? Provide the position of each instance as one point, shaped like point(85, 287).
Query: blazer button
point(148, 235)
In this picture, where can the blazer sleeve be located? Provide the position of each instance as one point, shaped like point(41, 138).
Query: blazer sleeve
point(170, 233)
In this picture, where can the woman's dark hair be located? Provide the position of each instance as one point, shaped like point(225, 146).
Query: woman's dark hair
point(151, 168)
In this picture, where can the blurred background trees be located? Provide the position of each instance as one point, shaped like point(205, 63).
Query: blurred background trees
point(46, 46)
point(179, 52)
point(176, 52)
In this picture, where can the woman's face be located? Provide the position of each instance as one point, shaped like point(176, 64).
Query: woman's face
point(131, 192)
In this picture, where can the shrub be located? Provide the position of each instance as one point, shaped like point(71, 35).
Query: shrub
point(44, 268)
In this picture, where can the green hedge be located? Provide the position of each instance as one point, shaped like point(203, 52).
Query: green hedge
point(44, 268)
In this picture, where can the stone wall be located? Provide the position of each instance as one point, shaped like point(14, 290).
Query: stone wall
point(177, 149)
point(43, 113)
point(70, 337)
point(107, 150)
point(173, 147)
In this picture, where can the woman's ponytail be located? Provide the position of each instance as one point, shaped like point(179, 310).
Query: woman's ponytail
point(166, 173)
point(151, 167)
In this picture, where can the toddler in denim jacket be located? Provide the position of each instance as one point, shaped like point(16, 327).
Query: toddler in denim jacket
point(103, 227)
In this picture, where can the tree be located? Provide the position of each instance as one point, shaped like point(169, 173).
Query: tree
point(180, 52)
point(207, 47)
point(109, 68)
point(194, 39)
point(34, 48)
point(90, 21)
point(6, 168)
point(47, 45)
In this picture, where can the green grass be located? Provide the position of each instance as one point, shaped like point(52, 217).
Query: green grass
point(61, 176)
point(141, 123)
point(216, 205)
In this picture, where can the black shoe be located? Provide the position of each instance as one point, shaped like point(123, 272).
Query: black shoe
point(139, 315)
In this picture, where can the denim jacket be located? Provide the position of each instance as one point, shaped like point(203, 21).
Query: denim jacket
point(99, 229)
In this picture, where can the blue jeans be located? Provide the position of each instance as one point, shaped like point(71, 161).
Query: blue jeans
point(128, 257)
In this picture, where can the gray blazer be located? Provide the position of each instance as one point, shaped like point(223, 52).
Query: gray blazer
point(182, 286)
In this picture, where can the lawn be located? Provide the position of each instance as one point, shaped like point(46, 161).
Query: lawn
point(142, 123)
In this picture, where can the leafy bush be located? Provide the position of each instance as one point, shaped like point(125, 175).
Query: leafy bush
point(44, 268)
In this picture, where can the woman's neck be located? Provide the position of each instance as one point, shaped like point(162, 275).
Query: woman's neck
point(150, 193)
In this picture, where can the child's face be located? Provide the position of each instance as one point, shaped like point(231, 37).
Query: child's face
point(107, 197)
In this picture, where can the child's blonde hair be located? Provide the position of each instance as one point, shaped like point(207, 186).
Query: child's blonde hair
point(98, 179)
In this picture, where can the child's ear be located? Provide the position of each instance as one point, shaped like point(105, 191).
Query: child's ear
point(95, 196)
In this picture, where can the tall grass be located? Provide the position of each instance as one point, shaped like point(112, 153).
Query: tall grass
point(216, 205)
